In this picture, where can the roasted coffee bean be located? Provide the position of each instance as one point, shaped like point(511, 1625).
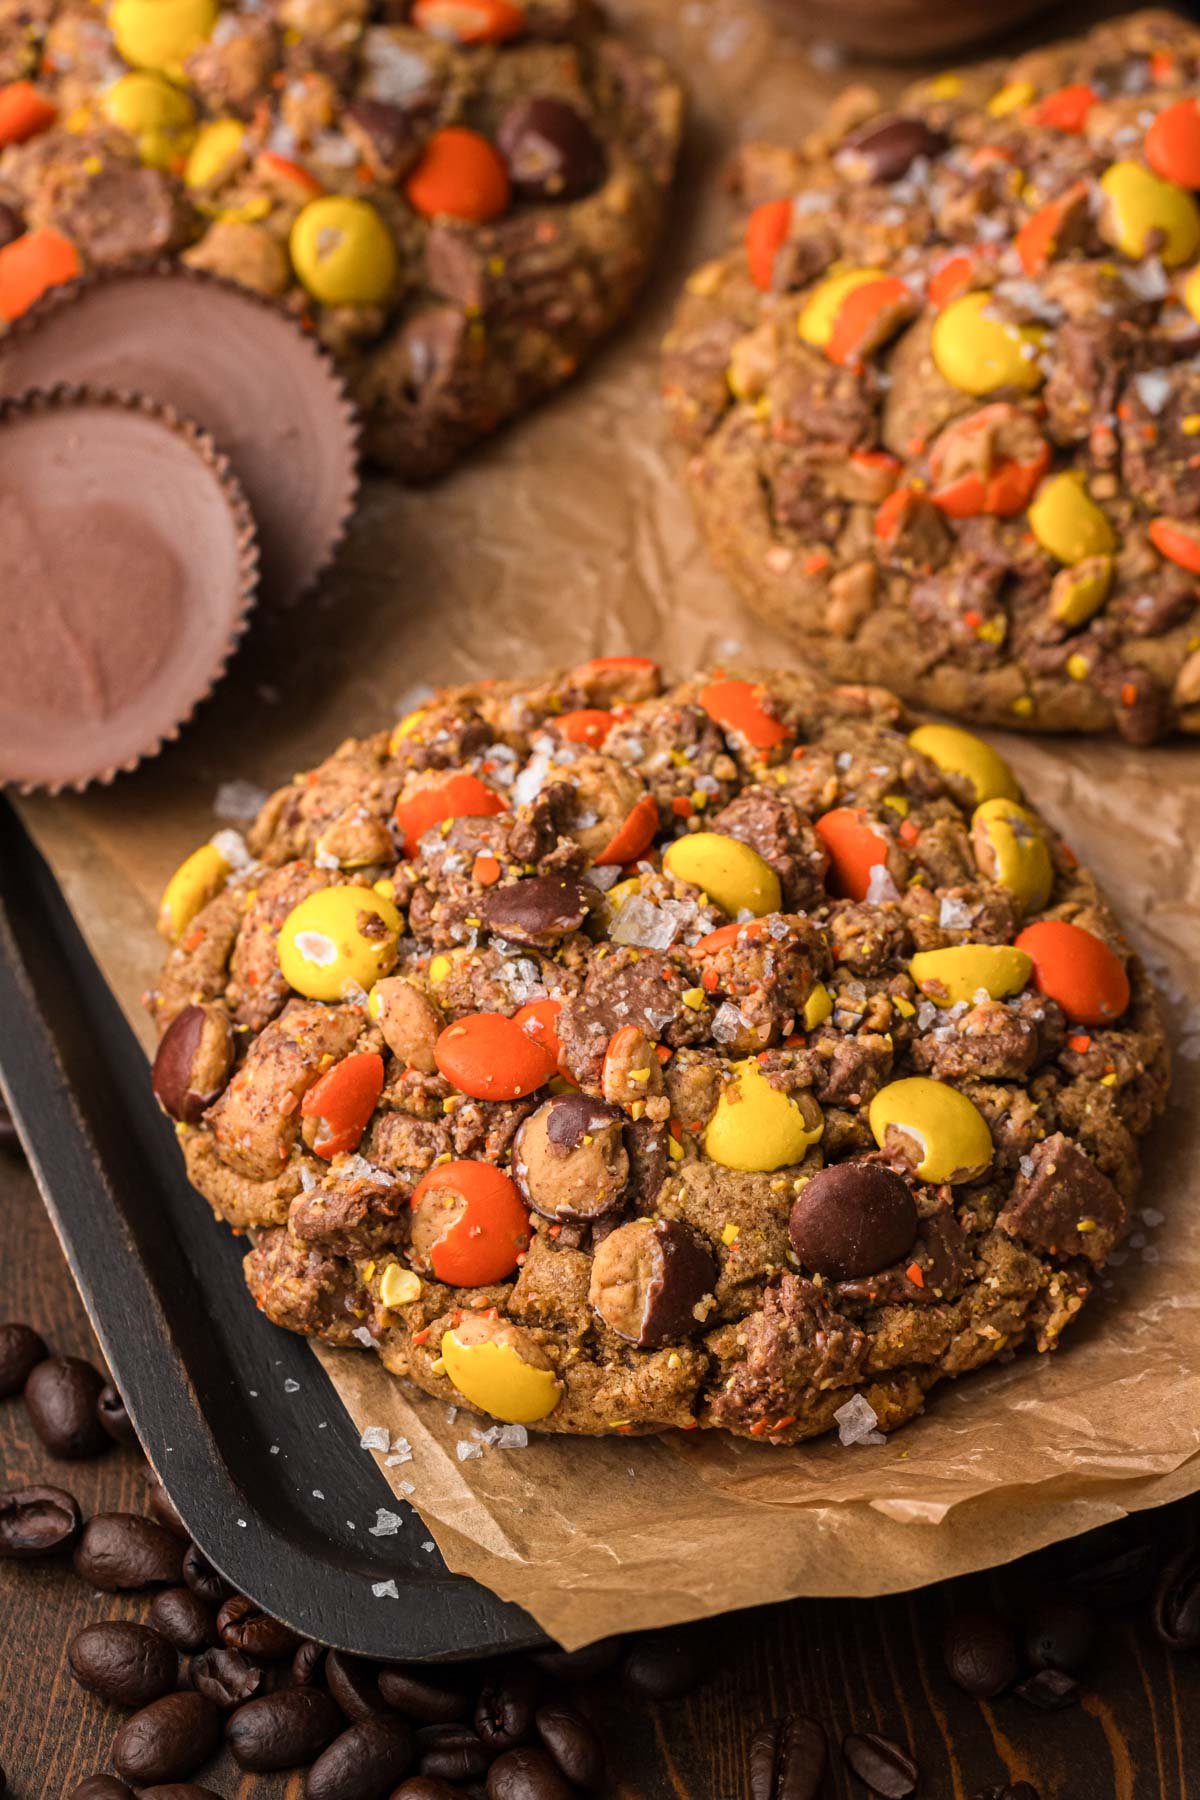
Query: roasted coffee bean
point(1009, 1790)
point(504, 1711)
point(551, 151)
point(37, 1521)
point(282, 1731)
point(1111, 1568)
point(307, 1664)
point(980, 1654)
point(21, 1350)
point(353, 1684)
point(526, 1773)
point(1059, 1634)
point(10, 230)
point(60, 1398)
point(110, 1410)
point(127, 1550)
point(179, 1790)
point(101, 1787)
point(226, 1677)
point(243, 1625)
point(788, 1760)
point(587, 1664)
point(193, 1062)
point(423, 1787)
point(126, 1664)
point(536, 911)
point(853, 1219)
point(885, 149)
point(203, 1579)
point(885, 1767)
point(451, 1752)
point(161, 1508)
point(362, 1763)
point(573, 1744)
point(1050, 1690)
point(183, 1619)
point(422, 1699)
point(1177, 1603)
point(664, 1665)
point(171, 1737)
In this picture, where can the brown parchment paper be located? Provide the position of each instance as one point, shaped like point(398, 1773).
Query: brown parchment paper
point(566, 537)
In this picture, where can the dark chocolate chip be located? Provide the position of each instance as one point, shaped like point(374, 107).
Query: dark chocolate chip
point(37, 1521)
point(60, 1398)
point(110, 1410)
point(243, 1625)
point(551, 151)
point(1050, 1690)
point(424, 1698)
point(980, 1654)
point(21, 1350)
point(788, 1760)
point(665, 1665)
point(885, 149)
point(573, 1743)
point(184, 1619)
point(853, 1219)
point(226, 1677)
point(171, 1737)
point(1177, 1603)
point(284, 1730)
point(1059, 1634)
point(363, 1762)
point(386, 136)
point(126, 1550)
point(648, 1278)
point(193, 1062)
point(526, 1773)
point(884, 1766)
point(126, 1664)
point(537, 911)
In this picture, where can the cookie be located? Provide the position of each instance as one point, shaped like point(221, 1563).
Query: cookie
point(459, 197)
point(610, 1059)
point(941, 400)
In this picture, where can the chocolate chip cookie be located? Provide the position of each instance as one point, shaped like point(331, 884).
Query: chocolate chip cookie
point(609, 1058)
point(460, 197)
point(942, 399)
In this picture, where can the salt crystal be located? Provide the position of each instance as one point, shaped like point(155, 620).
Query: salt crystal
point(602, 878)
point(317, 1494)
point(955, 915)
point(927, 1012)
point(274, 1449)
point(232, 846)
point(1027, 1166)
point(385, 1590)
point(290, 1386)
point(323, 860)
point(429, 1544)
point(466, 1451)
point(1154, 389)
point(531, 780)
point(387, 1524)
point(401, 1452)
point(1152, 1217)
point(1147, 279)
point(640, 923)
point(728, 1023)
point(375, 1437)
point(857, 1421)
point(512, 1437)
point(364, 1337)
point(309, 1179)
point(404, 1487)
point(843, 760)
point(451, 1414)
point(880, 886)
point(826, 56)
point(239, 800)
point(1151, 1253)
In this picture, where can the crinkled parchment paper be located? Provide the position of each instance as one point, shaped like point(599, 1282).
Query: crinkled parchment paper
point(566, 537)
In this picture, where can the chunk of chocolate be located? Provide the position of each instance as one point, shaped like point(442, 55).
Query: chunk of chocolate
point(569, 1159)
point(551, 151)
point(537, 911)
point(193, 1062)
point(853, 1219)
point(648, 1277)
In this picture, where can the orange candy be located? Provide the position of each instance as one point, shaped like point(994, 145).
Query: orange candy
point(1038, 237)
point(725, 935)
point(1077, 969)
point(1067, 108)
point(539, 1021)
point(635, 835)
point(284, 169)
point(854, 325)
point(458, 797)
point(855, 848)
point(469, 21)
point(1006, 491)
point(766, 229)
point(601, 670)
point(460, 176)
point(33, 264)
point(492, 1058)
point(486, 1239)
point(953, 278)
point(736, 706)
point(1173, 144)
point(23, 112)
point(590, 726)
point(343, 1101)
point(1179, 543)
point(889, 516)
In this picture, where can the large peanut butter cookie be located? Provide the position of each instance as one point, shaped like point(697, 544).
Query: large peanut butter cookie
point(612, 1059)
point(460, 196)
point(943, 398)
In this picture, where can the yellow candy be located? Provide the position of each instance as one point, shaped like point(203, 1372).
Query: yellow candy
point(399, 1286)
point(1191, 294)
point(730, 872)
point(947, 86)
point(1011, 98)
point(497, 1373)
point(343, 252)
point(961, 753)
point(1011, 849)
point(978, 352)
point(756, 1126)
point(817, 1007)
point(951, 1132)
point(214, 153)
point(1078, 594)
point(195, 882)
point(1066, 521)
point(959, 973)
point(152, 110)
point(323, 951)
point(816, 322)
point(160, 34)
point(1146, 216)
point(405, 728)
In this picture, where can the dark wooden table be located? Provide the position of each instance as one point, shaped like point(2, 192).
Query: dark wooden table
point(855, 1665)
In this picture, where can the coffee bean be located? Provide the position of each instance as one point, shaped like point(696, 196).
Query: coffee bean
point(573, 1744)
point(664, 1665)
point(504, 1711)
point(127, 1550)
point(451, 1752)
point(161, 1508)
point(885, 149)
point(60, 1398)
point(788, 1760)
point(885, 1767)
point(853, 1219)
point(581, 1665)
point(101, 1787)
point(243, 1625)
point(226, 1677)
point(1177, 1603)
point(307, 1664)
point(110, 1410)
point(536, 911)
point(11, 228)
point(1050, 1690)
point(423, 1787)
point(179, 1790)
point(282, 1731)
point(353, 1684)
point(126, 1664)
point(980, 1654)
point(37, 1521)
point(1059, 1634)
point(551, 151)
point(170, 1737)
point(202, 1578)
point(1009, 1790)
point(21, 1350)
point(425, 1701)
point(362, 1763)
point(183, 1619)
point(526, 1773)
point(1110, 1569)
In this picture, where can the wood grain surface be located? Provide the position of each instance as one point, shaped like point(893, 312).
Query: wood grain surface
point(855, 1665)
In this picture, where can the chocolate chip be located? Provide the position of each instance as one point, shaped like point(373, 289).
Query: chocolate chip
point(853, 1219)
point(126, 1664)
point(885, 149)
point(101, 1787)
point(183, 1618)
point(537, 911)
point(37, 1521)
point(451, 1753)
point(1177, 1603)
point(885, 1767)
point(124, 1550)
point(363, 1762)
point(504, 1712)
point(385, 135)
point(573, 1743)
point(243, 1625)
point(171, 1737)
point(60, 1398)
point(1059, 1634)
point(193, 1062)
point(226, 1677)
point(788, 1760)
point(423, 1699)
point(552, 153)
point(648, 1277)
point(282, 1731)
point(21, 1350)
point(1050, 1690)
point(569, 1158)
point(354, 1686)
point(665, 1665)
point(980, 1654)
point(526, 1774)
point(110, 1410)
point(202, 1578)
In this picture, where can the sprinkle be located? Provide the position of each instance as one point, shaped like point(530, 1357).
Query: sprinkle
point(730, 1233)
